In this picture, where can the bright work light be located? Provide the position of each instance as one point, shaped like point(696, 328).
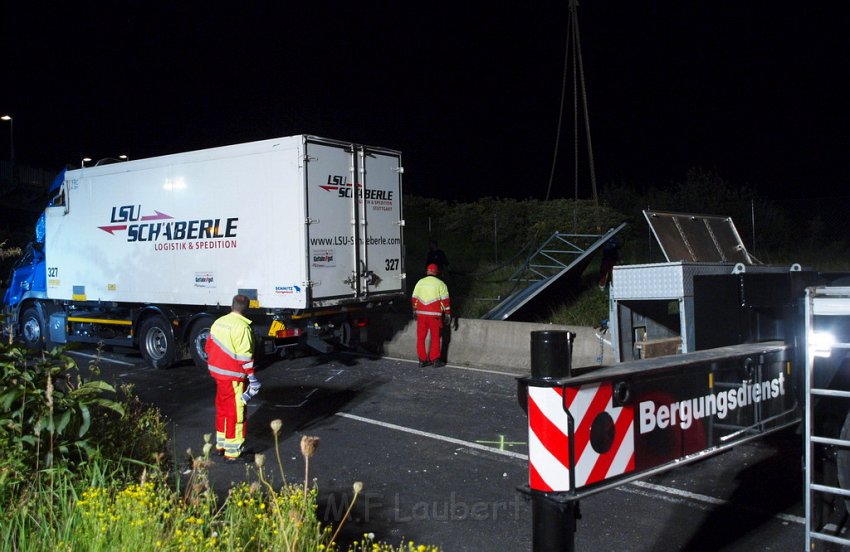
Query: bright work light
point(820, 344)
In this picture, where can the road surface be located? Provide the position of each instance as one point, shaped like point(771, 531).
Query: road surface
point(441, 453)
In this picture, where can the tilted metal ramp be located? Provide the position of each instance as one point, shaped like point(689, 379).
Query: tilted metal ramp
point(548, 260)
point(529, 302)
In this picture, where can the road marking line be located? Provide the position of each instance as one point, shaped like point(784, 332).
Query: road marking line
point(696, 497)
point(434, 436)
point(455, 366)
point(482, 370)
point(302, 403)
point(640, 484)
point(101, 358)
point(335, 374)
point(501, 442)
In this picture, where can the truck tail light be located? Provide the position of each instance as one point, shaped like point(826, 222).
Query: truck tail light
point(361, 322)
point(288, 332)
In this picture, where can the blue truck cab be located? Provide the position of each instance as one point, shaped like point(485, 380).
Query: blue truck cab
point(28, 282)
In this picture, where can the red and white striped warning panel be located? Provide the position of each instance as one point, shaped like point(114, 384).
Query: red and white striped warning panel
point(675, 412)
point(603, 436)
point(682, 410)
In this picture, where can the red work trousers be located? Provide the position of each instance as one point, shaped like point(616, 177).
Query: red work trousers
point(229, 417)
point(428, 325)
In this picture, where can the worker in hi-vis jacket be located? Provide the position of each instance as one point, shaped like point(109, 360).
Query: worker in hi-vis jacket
point(432, 307)
point(230, 359)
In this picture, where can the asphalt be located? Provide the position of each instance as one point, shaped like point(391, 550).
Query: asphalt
point(441, 453)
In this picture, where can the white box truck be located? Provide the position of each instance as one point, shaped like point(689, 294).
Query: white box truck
point(147, 253)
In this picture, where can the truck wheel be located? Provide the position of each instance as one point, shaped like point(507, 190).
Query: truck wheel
point(198, 341)
point(32, 329)
point(349, 335)
point(156, 342)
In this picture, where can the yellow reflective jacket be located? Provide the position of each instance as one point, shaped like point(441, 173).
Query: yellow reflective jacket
point(431, 297)
point(230, 348)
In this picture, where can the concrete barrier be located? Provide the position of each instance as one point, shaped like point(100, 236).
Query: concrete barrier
point(478, 343)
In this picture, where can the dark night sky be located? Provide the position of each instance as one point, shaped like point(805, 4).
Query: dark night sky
point(757, 91)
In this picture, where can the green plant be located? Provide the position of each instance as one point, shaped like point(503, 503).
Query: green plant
point(142, 421)
point(490, 239)
point(91, 501)
point(486, 241)
point(8, 252)
point(11, 248)
point(96, 508)
point(46, 407)
point(588, 308)
point(368, 544)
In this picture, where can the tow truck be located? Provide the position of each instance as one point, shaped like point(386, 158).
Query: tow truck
point(712, 349)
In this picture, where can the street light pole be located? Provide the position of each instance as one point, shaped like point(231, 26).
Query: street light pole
point(11, 137)
point(11, 146)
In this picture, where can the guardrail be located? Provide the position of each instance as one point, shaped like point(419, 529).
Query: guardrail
point(486, 343)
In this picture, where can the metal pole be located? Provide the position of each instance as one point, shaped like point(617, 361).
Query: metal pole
point(553, 514)
point(12, 142)
point(753, 216)
point(11, 146)
point(495, 239)
point(554, 524)
point(551, 354)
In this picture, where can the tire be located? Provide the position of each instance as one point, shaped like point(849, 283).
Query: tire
point(156, 342)
point(33, 329)
point(349, 336)
point(346, 335)
point(198, 341)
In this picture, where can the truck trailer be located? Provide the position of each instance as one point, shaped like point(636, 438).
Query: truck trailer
point(147, 253)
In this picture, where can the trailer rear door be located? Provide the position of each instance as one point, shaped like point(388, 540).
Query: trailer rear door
point(354, 222)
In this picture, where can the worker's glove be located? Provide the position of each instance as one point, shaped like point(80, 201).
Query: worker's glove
point(447, 319)
point(248, 395)
point(253, 384)
point(253, 389)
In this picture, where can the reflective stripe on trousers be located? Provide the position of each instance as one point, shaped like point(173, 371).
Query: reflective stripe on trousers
point(229, 417)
